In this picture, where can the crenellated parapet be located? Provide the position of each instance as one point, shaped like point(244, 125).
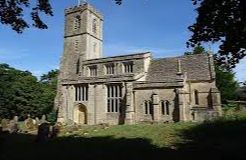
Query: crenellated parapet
point(81, 8)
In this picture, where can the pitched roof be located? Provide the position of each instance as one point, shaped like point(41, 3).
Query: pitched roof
point(198, 67)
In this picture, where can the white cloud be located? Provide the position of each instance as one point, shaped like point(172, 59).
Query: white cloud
point(9, 55)
point(37, 73)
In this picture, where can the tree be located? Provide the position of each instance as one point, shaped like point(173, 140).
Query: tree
point(197, 50)
point(226, 83)
point(21, 93)
point(222, 21)
point(50, 77)
point(12, 13)
point(49, 83)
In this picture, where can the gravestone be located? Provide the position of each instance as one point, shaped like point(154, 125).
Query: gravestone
point(43, 132)
point(13, 126)
point(29, 123)
point(16, 119)
point(37, 121)
point(55, 130)
point(5, 125)
point(43, 119)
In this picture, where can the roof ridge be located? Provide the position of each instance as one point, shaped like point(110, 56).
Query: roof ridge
point(181, 56)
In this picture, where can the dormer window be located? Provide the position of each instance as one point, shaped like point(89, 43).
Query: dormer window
point(128, 67)
point(110, 68)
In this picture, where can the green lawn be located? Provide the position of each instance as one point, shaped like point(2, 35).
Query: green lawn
point(160, 135)
point(221, 139)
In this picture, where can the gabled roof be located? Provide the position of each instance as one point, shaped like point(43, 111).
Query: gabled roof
point(198, 67)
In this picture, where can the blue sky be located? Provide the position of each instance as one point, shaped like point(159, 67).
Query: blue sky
point(137, 25)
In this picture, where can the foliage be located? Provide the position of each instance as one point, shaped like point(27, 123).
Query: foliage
point(221, 21)
point(50, 77)
point(12, 13)
point(226, 83)
point(52, 116)
point(49, 84)
point(22, 94)
point(197, 50)
point(241, 93)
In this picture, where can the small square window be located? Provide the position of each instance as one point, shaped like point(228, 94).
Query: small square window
point(110, 69)
point(93, 71)
point(128, 67)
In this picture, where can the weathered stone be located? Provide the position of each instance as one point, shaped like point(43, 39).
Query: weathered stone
point(37, 121)
point(13, 126)
point(115, 90)
point(55, 130)
point(5, 125)
point(43, 119)
point(30, 123)
point(16, 119)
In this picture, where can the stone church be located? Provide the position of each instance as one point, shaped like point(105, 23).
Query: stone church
point(128, 89)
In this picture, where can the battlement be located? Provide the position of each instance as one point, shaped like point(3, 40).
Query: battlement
point(82, 7)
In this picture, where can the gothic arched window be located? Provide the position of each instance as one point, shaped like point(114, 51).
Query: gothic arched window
point(78, 66)
point(165, 107)
point(148, 107)
point(196, 96)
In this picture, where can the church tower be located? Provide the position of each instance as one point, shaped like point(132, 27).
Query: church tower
point(82, 39)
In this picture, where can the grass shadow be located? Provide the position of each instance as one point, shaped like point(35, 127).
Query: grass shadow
point(219, 140)
point(21, 146)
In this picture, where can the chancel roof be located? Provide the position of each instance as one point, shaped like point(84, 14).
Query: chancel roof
point(197, 68)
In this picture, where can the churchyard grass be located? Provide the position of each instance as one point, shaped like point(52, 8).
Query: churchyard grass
point(161, 135)
point(223, 138)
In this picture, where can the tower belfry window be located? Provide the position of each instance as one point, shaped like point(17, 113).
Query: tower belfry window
point(77, 22)
point(94, 26)
point(76, 46)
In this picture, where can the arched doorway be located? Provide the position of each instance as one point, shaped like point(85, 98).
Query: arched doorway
point(80, 114)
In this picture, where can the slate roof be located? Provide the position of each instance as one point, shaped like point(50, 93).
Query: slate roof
point(118, 58)
point(198, 67)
